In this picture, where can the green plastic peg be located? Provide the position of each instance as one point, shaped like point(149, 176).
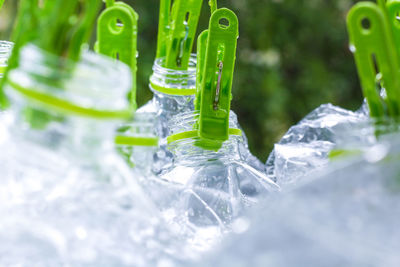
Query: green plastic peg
point(201, 58)
point(213, 5)
point(382, 4)
point(109, 3)
point(216, 53)
point(371, 37)
point(82, 34)
point(393, 9)
point(163, 28)
point(184, 18)
point(217, 79)
point(117, 37)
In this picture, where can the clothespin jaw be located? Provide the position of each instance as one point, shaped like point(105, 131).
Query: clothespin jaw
point(184, 19)
point(371, 37)
point(117, 37)
point(217, 79)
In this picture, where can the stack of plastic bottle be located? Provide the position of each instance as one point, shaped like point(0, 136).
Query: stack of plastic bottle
point(87, 179)
point(90, 179)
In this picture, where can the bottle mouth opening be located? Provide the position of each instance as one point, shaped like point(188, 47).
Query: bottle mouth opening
point(174, 82)
point(93, 87)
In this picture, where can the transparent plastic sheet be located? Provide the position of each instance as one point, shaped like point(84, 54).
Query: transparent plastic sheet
point(345, 215)
point(305, 147)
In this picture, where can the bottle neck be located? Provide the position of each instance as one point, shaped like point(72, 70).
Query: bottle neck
point(174, 90)
point(188, 151)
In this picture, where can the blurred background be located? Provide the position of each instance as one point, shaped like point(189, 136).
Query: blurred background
point(292, 56)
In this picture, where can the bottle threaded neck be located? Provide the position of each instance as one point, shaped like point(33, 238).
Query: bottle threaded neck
point(187, 149)
point(173, 82)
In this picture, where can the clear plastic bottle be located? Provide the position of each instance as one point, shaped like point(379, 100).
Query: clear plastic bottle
point(209, 189)
point(67, 196)
point(174, 93)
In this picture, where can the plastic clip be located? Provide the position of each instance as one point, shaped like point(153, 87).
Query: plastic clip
point(177, 30)
point(392, 10)
point(216, 84)
point(371, 41)
point(213, 5)
point(201, 58)
point(117, 37)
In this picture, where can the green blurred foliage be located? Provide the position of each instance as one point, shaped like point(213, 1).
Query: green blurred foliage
point(292, 56)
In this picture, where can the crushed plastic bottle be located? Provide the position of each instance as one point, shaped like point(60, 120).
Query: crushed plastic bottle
point(305, 147)
point(67, 196)
point(204, 191)
point(346, 215)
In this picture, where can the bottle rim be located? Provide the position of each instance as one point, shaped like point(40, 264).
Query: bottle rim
point(73, 88)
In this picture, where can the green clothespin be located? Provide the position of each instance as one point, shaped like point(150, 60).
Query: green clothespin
point(177, 30)
point(217, 78)
point(371, 36)
point(117, 37)
point(201, 58)
point(163, 28)
point(382, 4)
point(216, 55)
point(392, 10)
point(213, 5)
point(109, 3)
